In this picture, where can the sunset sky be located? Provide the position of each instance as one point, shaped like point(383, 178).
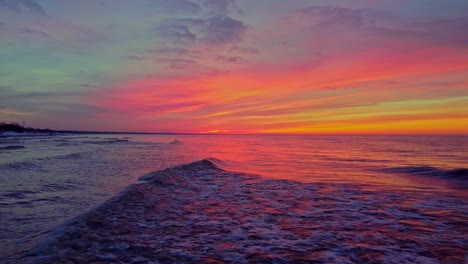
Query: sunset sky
point(236, 66)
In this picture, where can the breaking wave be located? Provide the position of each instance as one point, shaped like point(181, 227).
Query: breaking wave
point(201, 165)
point(454, 174)
point(198, 213)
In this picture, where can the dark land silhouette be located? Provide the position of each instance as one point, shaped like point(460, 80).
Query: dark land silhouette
point(15, 127)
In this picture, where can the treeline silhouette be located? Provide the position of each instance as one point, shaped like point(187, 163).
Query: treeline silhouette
point(15, 127)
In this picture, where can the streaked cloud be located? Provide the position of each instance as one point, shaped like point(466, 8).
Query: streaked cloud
point(23, 7)
point(220, 7)
point(12, 113)
point(236, 65)
point(175, 6)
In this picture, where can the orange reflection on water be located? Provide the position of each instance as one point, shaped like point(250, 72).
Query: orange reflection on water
point(339, 159)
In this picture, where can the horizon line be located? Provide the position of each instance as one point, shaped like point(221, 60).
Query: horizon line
point(260, 133)
point(226, 132)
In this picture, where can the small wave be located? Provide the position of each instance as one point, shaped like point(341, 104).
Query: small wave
point(107, 141)
point(67, 144)
point(353, 159)
point(19, 194)
point(456, 174)
point(12, 147)
point(61, 140)
point(21, 166)
point(10, 141)
point(175, 141)
point(37, 164)
point(72, 156)
point(59, 187)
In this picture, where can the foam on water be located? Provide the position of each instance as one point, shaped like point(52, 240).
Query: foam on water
point(59, 177)
point(56, 178)
point(198, 213)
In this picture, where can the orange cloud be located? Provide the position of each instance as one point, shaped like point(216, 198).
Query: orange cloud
point(324, 76)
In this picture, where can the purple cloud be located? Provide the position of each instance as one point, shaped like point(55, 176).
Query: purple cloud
point(329, 20)
point(214, 30)
point(176, 6)
point(178, 64)
point(230, 59)
point(176, 31)
point(23, 6)
point(172, 51)
point(219, 7)
point(330, 16)
point(244, 50)
point(223, 29)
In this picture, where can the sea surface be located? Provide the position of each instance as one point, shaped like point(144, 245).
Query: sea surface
point(291, 198)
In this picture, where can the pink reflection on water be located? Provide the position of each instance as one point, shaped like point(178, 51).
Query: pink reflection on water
point(339, 159)
point(198, 213)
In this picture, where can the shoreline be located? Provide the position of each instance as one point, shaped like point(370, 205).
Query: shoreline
point(200, 213)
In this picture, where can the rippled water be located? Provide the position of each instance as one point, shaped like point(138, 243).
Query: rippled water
point(47, 180)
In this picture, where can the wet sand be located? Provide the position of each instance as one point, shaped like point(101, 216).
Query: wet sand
point(197, 213)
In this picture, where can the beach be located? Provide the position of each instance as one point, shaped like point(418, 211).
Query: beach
point(198, 213)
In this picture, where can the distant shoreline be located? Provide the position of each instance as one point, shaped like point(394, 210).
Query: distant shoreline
point(8, 133)
point(15, 129)
point(65, 132)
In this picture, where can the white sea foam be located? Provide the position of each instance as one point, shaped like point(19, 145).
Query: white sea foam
point(55, 178)
point(198, 213)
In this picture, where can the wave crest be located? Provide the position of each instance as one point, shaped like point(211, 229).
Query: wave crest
point(108, 141)
point(196, 166)
point(456, 174)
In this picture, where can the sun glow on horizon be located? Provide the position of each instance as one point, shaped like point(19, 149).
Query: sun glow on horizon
point(237, 67)
point(215, 131)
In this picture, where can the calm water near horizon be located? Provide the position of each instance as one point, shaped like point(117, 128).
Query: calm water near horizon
point(46, 180)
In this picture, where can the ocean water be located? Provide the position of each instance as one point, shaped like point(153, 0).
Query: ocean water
point(291, 198)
